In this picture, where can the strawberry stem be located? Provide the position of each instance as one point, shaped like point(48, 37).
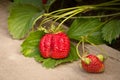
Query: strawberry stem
point(98, 16)
point(83, 45)
point(72, 13)
point(77, 50)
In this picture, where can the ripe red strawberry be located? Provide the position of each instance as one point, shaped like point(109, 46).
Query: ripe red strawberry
point(55, 46)
point(44, 1)
point(92, 63)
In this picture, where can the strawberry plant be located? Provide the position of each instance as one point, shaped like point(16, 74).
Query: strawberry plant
point(90, 62)
point(52, 44)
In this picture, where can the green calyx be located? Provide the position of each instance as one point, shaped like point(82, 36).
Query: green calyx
point(43, 29)
point(51, 29)
point(86, 60)
point(100, 57)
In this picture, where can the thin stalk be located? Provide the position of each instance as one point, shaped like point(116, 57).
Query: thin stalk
point(74, 13)
point(66, 14)
point(46, 20)
point(37, 19)
point(72, 8)
point(77, 50)
point(57, 13)
point(71, 13)
point(100, 16)
point(49, 17)
point(83, 45)
point(66, 9)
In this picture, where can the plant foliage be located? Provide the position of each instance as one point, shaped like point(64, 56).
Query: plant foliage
point(111, 30)
point(21, 19)
point(30, 49)
point(86, 27)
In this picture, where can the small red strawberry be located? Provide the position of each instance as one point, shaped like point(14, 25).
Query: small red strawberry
point(54, 45)
point(44, 1)
point(92, 63)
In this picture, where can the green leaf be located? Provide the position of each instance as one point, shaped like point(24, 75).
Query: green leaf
point(49, 63)
point(96, 37)
point(21, 19)
point(111, 30)
point(86, 27)
point(30, 45)
point(37, 3)
point(30, 49)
